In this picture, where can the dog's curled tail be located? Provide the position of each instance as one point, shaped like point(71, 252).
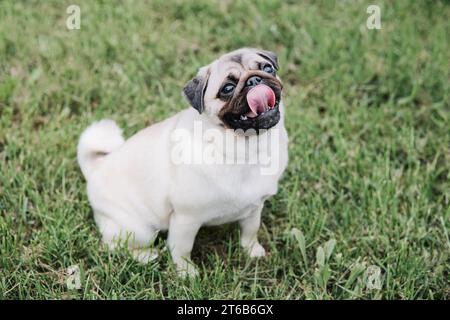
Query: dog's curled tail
point(97, 141)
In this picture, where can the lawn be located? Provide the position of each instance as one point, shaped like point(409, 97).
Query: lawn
point(362, 211)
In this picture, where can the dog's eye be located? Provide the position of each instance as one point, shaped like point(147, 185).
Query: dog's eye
point(227, 89)
point(267, 68)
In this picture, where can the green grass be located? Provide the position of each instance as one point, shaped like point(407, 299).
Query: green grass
point(368, 119)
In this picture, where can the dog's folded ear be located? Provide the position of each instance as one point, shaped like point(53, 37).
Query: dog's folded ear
point(270, 56)
point(194, 91)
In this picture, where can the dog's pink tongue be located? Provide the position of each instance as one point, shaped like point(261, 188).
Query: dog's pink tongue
point(260, 98)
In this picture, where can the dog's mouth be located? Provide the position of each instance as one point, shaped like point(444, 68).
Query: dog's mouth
point(261, 110)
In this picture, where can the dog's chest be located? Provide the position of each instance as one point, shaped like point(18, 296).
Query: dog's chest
point(222, 192)
point(231, 193)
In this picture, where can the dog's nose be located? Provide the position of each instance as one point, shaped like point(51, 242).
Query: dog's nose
point(253, 81)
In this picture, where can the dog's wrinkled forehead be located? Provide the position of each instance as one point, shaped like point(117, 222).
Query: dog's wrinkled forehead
point(239, 61)
point(235, 64)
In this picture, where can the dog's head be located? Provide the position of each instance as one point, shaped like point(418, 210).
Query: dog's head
point(240, 90)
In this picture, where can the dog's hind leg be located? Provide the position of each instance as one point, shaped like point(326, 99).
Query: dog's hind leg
point(144, 255)
point(137, 239)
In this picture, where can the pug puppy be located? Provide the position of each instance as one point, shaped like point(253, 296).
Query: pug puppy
point(138, 187)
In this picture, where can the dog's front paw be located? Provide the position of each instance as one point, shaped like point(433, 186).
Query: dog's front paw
point(256, 251)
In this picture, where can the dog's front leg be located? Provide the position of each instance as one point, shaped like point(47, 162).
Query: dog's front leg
point(249, 233)
point(182, 232)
